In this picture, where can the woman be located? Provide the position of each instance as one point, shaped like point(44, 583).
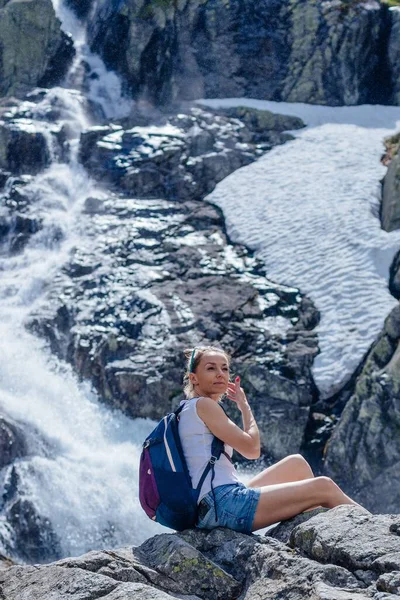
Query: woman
point(277, 493)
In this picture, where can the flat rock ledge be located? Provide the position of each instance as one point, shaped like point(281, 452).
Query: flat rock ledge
point(342, 554)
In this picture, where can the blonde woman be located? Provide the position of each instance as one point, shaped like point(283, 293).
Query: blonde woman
point(279, 492)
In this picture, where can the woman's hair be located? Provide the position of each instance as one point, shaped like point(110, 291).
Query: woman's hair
point(193, 358)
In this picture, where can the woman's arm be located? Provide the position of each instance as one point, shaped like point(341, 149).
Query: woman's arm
point(246, 441)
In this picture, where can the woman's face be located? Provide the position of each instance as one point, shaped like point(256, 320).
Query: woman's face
point(212, 375)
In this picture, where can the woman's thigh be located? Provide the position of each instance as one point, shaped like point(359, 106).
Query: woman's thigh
point(285, 500)
point(291, 468)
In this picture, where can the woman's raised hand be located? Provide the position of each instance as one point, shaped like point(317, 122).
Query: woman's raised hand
point(236, 393)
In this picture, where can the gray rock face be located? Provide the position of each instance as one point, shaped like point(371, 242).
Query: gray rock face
point(183, 283)
point(12, 442)
point(363, 452)
point(33, 49)
point(390, 212)
point(394, 54)
point(343, 554)
point(185, 159)
point(332, 52)
point(129, 339)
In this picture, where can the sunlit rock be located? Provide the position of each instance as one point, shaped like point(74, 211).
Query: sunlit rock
point(342, 554)
point(390, 212)
point(33, 49)
point(331, 52)
point(364, 449)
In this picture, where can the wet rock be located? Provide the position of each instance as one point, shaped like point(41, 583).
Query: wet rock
point(156, 276)
point(223, 564)
point(17, 221)
point(12, 442)
point(80, 7)
point(184, 158)
point(34, 50)
point(5, 562)
point(35, 540)
point(23, 149)
point(333, 52)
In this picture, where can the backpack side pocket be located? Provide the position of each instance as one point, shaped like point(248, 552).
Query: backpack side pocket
point(148, 494)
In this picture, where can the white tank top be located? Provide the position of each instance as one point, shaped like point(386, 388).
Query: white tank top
point(196, 441)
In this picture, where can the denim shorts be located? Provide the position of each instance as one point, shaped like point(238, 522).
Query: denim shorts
point(236, 507)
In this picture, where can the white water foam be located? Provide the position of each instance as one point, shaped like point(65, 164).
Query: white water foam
point(104, 86)
point(309, 208)
point(81, 471)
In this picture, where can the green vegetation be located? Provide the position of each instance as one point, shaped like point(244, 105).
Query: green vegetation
point(391, 2)
point(392, 145)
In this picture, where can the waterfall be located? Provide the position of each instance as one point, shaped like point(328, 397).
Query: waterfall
point(81, 468)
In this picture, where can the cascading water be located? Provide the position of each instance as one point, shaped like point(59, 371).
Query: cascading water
point(80, 472)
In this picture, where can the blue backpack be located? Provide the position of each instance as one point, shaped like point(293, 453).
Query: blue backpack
point(165, 487)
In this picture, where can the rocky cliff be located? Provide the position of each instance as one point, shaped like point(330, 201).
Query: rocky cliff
point(33, 49)
point(331, 52)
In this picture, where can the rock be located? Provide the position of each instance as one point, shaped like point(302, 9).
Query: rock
point(5, 562)
point(185, 157)
point(179, 560)
point(350, 537)
point(35, 540)
point(17, 223)
point(34, 50)
point(80, 7)
point(390, 210)
point(363, 452)
point(223, 564)
point(394, 53)
point(343, 67)
point(128, 340)
point(23, 149)
point(12, 442)
point(283, 530)
point(332, 52)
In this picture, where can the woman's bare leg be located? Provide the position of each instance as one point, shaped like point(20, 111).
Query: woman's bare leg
point(285, 500)
point(291, 468)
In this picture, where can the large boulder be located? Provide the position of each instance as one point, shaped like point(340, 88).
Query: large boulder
point(363, 453)
point(331, 52)
point(33, 49)
point(390, 211)
point(344, 554)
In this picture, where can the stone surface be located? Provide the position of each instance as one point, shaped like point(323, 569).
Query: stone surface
point(390, 211)
point(343, 554)
point(332, 52)
point(185, 157)
point(33, 49)
point(394, 54)
point(363, 453)
point(12, 441)
point(153, 276)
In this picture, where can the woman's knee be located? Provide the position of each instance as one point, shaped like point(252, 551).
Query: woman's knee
point(325, 488)
point(298, 462)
